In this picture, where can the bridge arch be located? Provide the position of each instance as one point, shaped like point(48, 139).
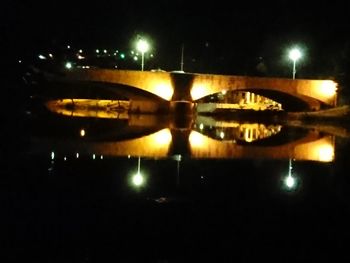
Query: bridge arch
point(288, 102)
point(190, 87)
point(310, 94)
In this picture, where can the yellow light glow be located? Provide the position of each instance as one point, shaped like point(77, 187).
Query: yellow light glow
point(196, 139)
point(249, 134)
point(164, 90)
point(328, 88)
point(82, 132)
point(326, 153)
point(89, 108)
point(198, 91)
point(163, 137)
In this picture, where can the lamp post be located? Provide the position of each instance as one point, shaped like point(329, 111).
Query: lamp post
point(142, 46)
point(138, 179)
point(294, 55)
point(290, 182)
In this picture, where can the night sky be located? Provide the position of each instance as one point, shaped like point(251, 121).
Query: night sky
point(228, 37)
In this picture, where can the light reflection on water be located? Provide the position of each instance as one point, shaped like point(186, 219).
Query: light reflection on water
point(106, 130)
point(162, 137)
point(148, 174)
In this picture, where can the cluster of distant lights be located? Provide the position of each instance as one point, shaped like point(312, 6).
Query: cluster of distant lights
point(79, 55)
point(137, 179)
point(247, 136)
point(77, 156)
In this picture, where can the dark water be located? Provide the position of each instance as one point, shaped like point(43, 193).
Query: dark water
point(226, 201)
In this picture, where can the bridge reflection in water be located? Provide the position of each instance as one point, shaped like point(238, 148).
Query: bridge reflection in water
point(196, 137)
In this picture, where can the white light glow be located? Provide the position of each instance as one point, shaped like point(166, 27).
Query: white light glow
point(222, 135)
point(142, 46)
point(289, 181)
point(138, 179)
point(294, 54)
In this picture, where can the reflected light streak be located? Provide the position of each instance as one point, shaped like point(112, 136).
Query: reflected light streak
point(104, 109)
point(326, 152)
point(197, 140)
point(163, 137)
point(156, 145)
point(322, 150)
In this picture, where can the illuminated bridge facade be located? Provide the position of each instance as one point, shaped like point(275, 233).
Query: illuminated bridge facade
point(172, 88)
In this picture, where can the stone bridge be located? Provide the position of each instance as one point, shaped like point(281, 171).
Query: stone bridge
point(176, 87)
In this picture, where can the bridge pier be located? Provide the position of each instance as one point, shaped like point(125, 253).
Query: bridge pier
point(182, 107)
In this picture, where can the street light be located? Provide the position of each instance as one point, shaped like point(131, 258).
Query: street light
point(138, 179)
point(142, 46)
point(294, 55)
point(290, 182)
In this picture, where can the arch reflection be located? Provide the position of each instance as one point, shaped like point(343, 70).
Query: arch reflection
point(205, 137)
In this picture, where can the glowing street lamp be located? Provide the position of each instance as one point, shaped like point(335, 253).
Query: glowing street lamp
point(294, 55)
point(142, 46)
point(290, 182)
point(138, 179)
